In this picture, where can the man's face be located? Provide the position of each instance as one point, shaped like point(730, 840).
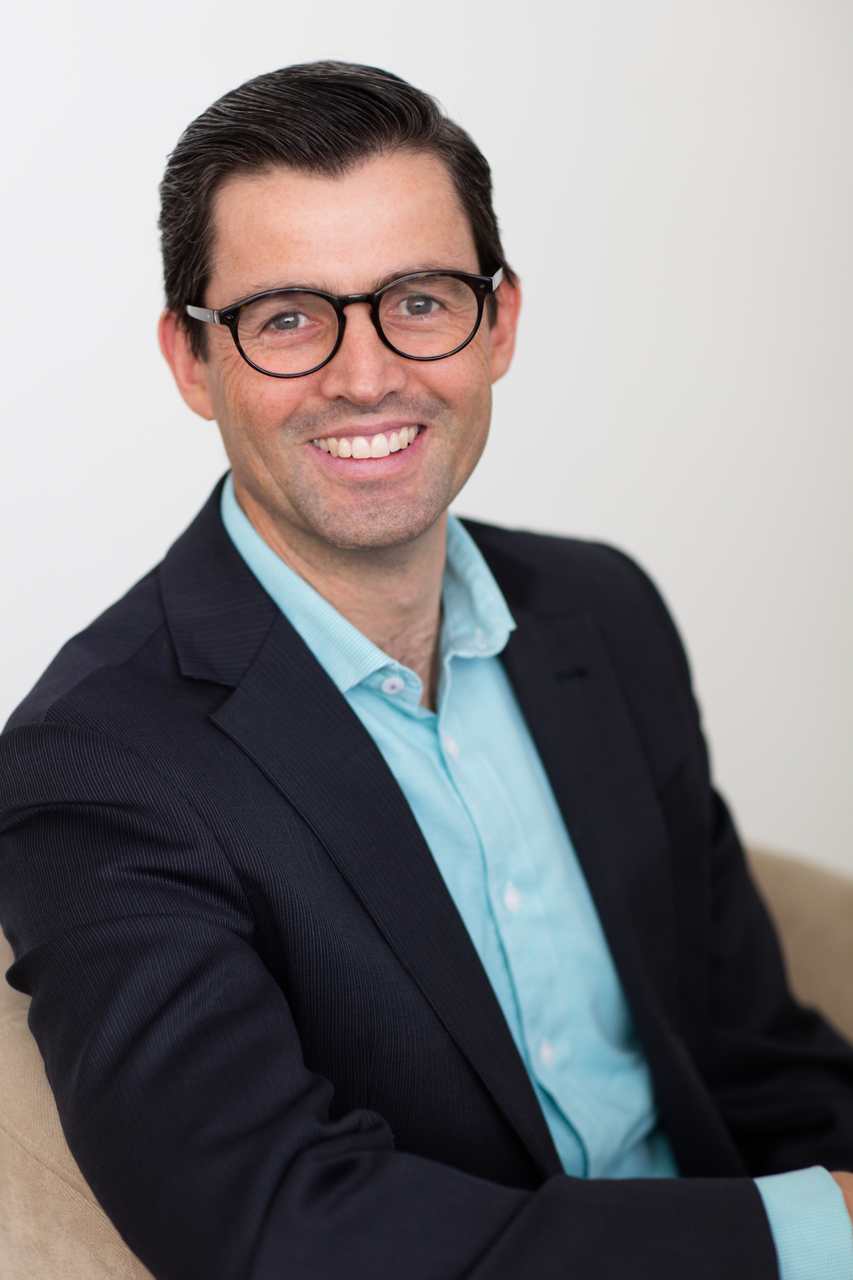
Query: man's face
point(395, 215)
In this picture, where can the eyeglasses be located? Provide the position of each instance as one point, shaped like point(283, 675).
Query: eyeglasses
point(289, 333)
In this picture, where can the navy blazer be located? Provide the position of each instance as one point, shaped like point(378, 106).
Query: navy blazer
point(274, 1050)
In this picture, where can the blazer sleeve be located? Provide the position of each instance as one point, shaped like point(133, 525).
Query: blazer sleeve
point(781, 1077)
point(185, 1099)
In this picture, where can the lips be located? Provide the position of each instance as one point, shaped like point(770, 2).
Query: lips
point(379, 445)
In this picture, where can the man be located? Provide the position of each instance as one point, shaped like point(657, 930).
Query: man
point(377, 912)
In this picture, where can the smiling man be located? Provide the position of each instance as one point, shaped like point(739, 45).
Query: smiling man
point(366, 427)
point(378, 914)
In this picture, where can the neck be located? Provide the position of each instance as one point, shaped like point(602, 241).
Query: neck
point(392, 595)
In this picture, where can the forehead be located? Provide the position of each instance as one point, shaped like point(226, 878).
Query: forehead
point(392, 214)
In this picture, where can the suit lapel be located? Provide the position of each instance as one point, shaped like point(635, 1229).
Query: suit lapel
point(589, 747)
point(296, 726)
point(582, 728)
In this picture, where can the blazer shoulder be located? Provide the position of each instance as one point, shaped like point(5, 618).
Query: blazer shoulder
point(111, 640)
point(551, 574)
point(571, 571)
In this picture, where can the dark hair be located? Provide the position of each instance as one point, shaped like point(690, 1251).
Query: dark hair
point(321, 118)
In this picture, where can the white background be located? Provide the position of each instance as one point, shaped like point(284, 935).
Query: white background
point(675, 183)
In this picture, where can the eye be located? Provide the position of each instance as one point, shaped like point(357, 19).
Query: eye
point(287, 320)
point(418, 304)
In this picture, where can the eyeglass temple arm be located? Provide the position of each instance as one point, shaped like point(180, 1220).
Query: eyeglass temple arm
point(203, 313)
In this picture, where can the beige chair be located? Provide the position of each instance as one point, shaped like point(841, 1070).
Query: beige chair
point(51, 1227)
point(813, 913)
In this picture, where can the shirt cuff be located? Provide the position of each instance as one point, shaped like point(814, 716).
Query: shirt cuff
point(810, 1225)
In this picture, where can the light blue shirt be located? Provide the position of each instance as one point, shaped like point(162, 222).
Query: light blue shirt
point(479, 792)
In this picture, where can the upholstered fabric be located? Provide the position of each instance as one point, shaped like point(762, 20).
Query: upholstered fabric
point(51, 1226)
point(812, 909)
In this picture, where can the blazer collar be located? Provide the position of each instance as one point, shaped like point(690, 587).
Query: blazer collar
point(216, 610)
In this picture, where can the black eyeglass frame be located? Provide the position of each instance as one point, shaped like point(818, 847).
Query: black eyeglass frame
point(481, 286)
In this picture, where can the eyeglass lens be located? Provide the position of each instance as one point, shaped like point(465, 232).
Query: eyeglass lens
point(292, 332)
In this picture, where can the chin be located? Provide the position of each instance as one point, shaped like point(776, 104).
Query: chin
point(383, 528)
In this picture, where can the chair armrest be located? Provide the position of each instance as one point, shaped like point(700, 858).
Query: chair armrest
point(51, 1225)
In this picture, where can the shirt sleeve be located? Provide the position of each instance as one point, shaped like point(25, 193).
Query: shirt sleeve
point(810, 1225)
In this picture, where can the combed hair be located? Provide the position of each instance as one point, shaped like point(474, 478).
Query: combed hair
point(319, 118)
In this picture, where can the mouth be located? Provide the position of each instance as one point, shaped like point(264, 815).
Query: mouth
point(380, 445)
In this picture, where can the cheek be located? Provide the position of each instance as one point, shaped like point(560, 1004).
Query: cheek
point(477, 366)
point(470, 391)
point(248, 405)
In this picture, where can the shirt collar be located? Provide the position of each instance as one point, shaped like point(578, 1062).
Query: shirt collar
point(477, 622)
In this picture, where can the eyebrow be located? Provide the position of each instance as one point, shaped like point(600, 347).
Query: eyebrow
point(379, 283)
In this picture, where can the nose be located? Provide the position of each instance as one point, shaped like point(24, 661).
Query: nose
point(363, 371)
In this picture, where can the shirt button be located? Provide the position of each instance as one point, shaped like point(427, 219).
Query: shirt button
point(512, 898)
point(451, 746)
point(547, 1054)
point(394, 684)
point(480, 637)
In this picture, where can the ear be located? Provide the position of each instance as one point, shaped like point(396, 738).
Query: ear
point(502, 333)
point(188, 369)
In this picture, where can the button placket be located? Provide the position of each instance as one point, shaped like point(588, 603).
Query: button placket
point(450, 743)
point(518, 910)
point(523, 926)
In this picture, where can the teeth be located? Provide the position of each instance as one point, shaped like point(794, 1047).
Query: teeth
point(378, 446)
